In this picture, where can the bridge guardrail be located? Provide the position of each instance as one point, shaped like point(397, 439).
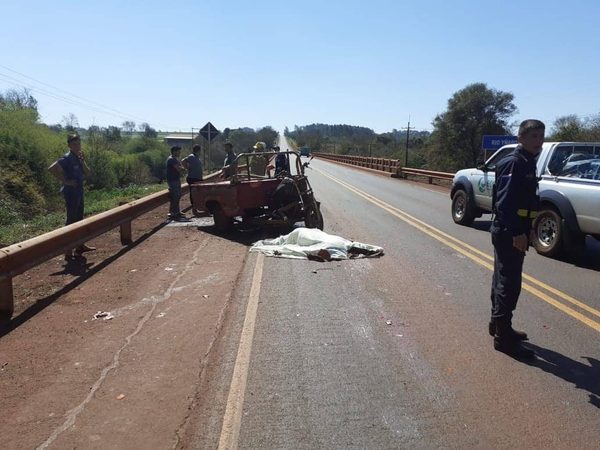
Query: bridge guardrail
point(386, 165)
point(22, 256)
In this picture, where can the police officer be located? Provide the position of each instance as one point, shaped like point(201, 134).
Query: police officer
point(71, 171)
point(515, 206)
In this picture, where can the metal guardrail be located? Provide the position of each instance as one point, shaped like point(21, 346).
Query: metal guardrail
point(18, 258)
point(429, 174)
point(381, 164)
point(386, 165)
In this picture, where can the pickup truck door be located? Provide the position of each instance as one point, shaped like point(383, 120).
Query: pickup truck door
point(574, 171)
point(483, 180)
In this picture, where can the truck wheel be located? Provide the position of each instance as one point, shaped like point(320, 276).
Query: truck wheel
point(222, 222)
point(462, 211)
point(548, 228)
point(313, 217)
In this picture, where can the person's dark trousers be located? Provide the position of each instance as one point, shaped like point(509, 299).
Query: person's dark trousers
point(174, 197)
point(190, 181)
point(506, 281)
point(74, 203)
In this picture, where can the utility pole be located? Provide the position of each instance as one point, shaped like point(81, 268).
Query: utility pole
point(407, 137)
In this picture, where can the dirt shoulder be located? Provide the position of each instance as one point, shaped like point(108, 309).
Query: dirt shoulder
point(69, 381)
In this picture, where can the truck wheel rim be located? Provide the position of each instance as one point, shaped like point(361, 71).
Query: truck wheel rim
point(459, 207)
point(547, 231)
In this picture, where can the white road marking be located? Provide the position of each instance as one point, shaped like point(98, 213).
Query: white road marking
point(235, 401)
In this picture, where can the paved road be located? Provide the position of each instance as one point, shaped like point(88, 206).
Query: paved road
point(394, 352)
point(210, 347)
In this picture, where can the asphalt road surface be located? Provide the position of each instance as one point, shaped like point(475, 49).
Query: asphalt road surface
point(393, 352)
point(212, 347)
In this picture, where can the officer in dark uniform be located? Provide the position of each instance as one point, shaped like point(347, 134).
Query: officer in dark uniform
point(71, 170)
point(515, 206)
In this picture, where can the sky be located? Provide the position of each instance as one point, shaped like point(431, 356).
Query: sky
point(178, 64)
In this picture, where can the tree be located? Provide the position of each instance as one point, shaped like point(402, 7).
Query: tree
point(111, 134)
point(148, 131)
point(128, 127)
point(472, 112)
point(13, 100)
point(70, 122)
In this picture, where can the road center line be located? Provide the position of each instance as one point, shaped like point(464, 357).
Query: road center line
point(235, 401)
point(472, 253)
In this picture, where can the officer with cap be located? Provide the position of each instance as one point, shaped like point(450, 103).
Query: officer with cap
point(515, 204)
point(71, 171)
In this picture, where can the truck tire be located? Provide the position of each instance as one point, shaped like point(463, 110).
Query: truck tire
point(313, 217)
point(463, 212)
point(222, 222)
point(549, 231)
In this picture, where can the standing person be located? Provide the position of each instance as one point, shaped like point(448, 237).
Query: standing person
point(174, 171)
point(515, 203)
point(71, 171)
point(193, 165)
point(259, 163)
point(229, 168)
point(282, 162)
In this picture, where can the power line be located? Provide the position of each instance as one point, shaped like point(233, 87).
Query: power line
point(122, 114)
point(82, 102)
point(17, 83)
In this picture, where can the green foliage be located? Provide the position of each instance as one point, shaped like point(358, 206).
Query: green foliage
point(574, 128)
point(472, 112)
point(15, 229)
point(26, 149)
point(353, 140)
point(100, 163)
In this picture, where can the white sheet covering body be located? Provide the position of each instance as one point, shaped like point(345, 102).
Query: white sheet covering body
point(304, 242)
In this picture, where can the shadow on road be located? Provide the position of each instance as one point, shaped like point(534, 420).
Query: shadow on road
point(245, 237)
point(482, 225)
point(589, 259)
point(583, 376)
point(78, 267)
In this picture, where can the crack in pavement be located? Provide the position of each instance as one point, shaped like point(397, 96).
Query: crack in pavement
point(73, 413)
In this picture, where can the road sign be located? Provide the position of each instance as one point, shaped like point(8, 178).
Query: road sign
point(492, 142)
point(209, 132)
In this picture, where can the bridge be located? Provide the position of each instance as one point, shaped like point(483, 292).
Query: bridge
point(200, 344)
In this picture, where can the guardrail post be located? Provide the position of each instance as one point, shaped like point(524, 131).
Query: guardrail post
point(6, 298)
point(430, 180)
point(125, 229)
point(126, 233)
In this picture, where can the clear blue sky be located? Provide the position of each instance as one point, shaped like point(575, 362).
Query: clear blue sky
point(179, 64)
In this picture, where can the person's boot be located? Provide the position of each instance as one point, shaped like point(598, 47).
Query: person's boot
point(505, 341)
point(518, 335)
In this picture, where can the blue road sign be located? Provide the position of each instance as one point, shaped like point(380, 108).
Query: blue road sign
point(492, 142)
point(209, 132)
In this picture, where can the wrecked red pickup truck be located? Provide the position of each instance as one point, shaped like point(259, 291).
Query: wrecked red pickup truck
point(264, 190)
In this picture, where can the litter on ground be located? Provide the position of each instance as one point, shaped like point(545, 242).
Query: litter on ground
point(106, 315)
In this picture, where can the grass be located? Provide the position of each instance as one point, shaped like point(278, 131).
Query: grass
point(95, 202)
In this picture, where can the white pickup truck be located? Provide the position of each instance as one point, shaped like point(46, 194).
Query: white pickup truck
point(569, 189)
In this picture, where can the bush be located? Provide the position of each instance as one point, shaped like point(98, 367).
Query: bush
point(100, 163)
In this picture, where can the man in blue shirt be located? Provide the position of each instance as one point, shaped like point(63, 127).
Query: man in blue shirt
point(193, 164)
point(174, 171)
point(229, 165)
point(71, 170)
